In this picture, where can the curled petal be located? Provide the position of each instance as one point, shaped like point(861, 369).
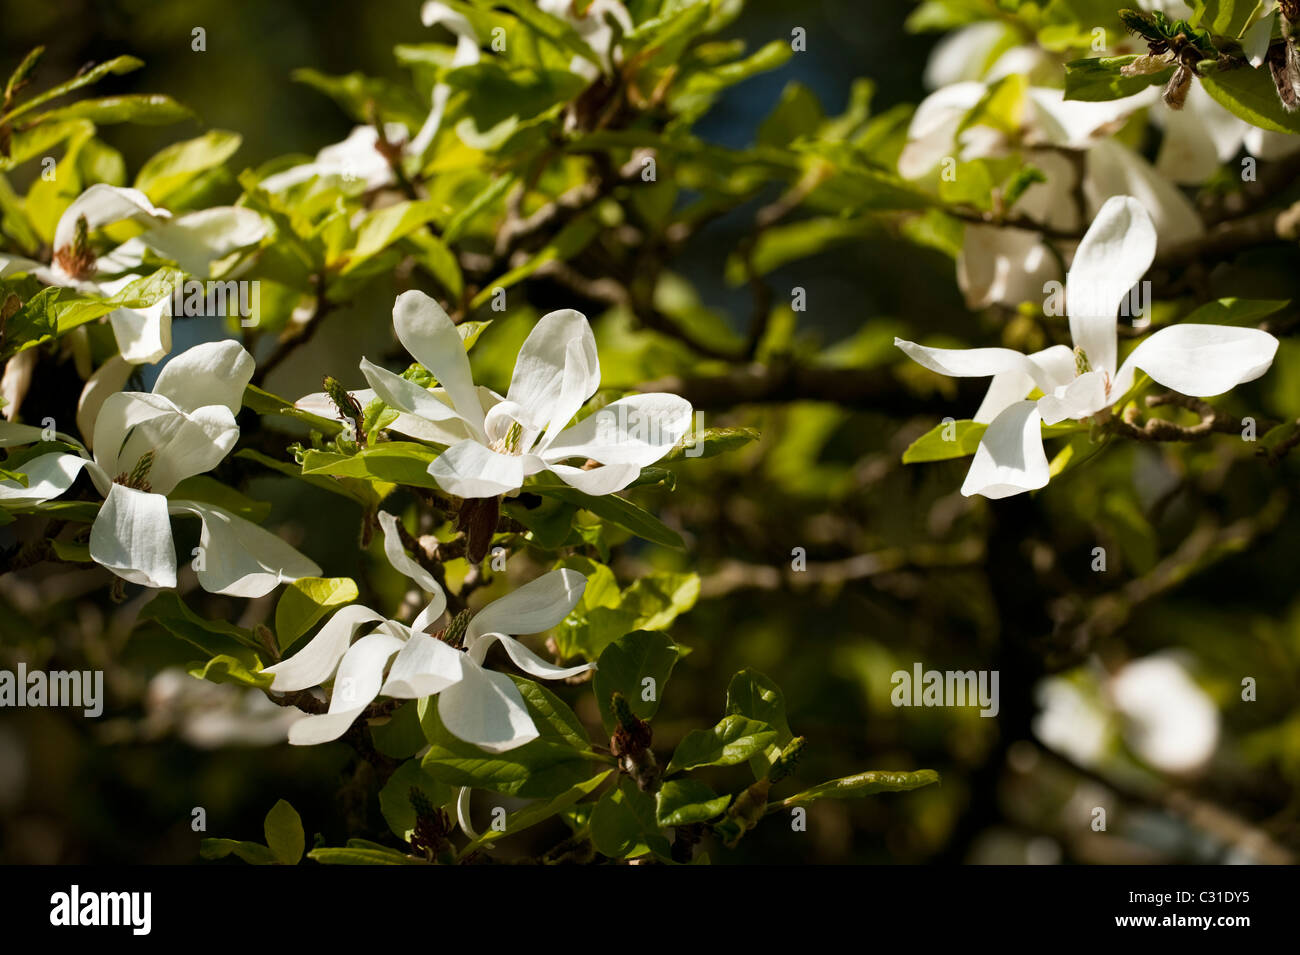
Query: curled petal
point(48, 476)
point(470, 469)
point(1201, 360)
point(424, 666)
point(556, 371)
point(536, 606)
point(355, 685)
point(316, 662)
point(487, 710)
point(1010, 458)
point(426, 331)
point(1112, 258)
point(132, 537)
point(239, 558)
point(637, 430)
point(213, 373)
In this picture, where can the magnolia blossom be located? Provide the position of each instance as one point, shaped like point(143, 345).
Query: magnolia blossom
point(595, 25)
point(1202, 136)
point(144, 445)
point(362, 157)
point(194, 241)
point(1152, 703)
point(494, 448)
point(475, 704)
point(1006, 265)
point(1197, 360)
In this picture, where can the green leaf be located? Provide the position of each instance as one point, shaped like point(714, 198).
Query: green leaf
point(1234, 311)
point(950, 439)
point(1252, 96)
point(171, 168)
point(1099, 79)
point(712, 441)
point(231, 651)
point(1224, 17)
point(863, 784)
point(353, 855)
point(624, 823)
point(681, 802)
point(616, 510)
point(284, 834)
point(395, 797)
point(544, 767)
point(400, 736)
point(117, 65)
point(394, 462)
point(148, 109)
point(754, 695)
point(253, 853)
point(383, 227)
point(540, 811)
point(735, 739)
point(307, 600)
point(637, 665)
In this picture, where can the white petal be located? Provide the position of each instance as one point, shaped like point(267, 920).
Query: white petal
point(132, 537)
point(316, 662)
point(462, 812)
point(1197, 138)
point(1084, 396)
point(1010, 458)
point(469, 469)
point(1003, 266)
point(606, 479)
point(1056, 365)
point(1256, 41)
point(241, 559)
point(486, 709)
point(976, 362)
point(103, 205)
point(131, 424)
point(110, 378)
point(637, 430)
point(1075, 124)
point(536, 606)
point(429, 335)
point(526, 660)
point(143, 335)
point(1114, 255)
point(1201, 360)
point(404, 564)
point(48, 476)
point(197, 239)
point(404, 395)
point(1114, 169)
point(355, 685)
point(424, 666)
point(15, 264)
point(930, 137)
point(213, 373)
point(556, 371)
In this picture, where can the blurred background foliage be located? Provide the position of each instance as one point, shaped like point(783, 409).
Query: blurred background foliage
point(902, 569)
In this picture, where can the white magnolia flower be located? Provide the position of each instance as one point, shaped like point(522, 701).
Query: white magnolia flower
point(475, 704)
point(528, 430)
point(359, 158)
point(1168, 720)
point(1152, 703)
point(144, 446)
point(1002, 265)
point(1259, 32)
point(194, 241)
point(1202, 136)
point(595, 25)
point(1197, 360)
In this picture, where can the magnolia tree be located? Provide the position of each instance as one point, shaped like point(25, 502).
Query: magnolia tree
point(511, 508)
